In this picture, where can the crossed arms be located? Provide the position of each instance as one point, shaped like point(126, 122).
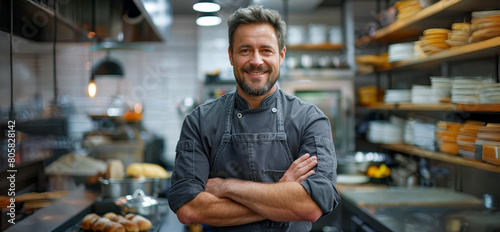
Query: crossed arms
point(230, 202)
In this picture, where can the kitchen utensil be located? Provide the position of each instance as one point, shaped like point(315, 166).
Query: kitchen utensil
point(357, 163)
point(114, 188)
point(138, 203)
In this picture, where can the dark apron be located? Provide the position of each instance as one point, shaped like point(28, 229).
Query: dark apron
point(259, 157)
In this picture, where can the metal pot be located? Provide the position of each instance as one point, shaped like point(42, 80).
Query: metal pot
point(358, 163)
point(138, 203)
point(115, 188)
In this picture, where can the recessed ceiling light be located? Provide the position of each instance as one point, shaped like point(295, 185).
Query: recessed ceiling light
point(206, 6)
point(208, 19)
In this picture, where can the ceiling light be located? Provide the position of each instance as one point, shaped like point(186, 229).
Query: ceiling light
point(208, 19)
point(107, 67)
point(206, 6)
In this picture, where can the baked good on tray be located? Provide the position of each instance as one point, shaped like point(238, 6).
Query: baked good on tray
point(111, 222)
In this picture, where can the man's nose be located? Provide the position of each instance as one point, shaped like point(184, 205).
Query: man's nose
point(256, 59)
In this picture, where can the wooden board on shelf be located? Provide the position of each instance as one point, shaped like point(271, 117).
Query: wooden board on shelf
point(479, 107)
point(436, 106)
point(413, 150)
point(415, 106)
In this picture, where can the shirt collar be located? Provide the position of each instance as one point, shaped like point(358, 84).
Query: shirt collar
point(242, 104)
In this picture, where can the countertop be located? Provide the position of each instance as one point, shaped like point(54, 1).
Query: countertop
point(69, 210)
point(420, 209)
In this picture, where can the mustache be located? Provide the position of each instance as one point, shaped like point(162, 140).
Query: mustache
point(255, 68)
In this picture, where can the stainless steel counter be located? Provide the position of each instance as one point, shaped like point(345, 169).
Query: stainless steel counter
point(440, 210)
point(69, 210)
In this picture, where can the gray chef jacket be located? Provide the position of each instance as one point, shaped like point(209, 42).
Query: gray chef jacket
point(301, 127)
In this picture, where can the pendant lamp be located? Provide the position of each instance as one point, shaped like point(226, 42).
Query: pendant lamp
point(107, 67)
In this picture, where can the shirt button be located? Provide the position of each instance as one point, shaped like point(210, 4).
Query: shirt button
point(274, 110)
point(239, 115)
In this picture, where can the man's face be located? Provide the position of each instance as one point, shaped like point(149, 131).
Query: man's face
point(256, 58)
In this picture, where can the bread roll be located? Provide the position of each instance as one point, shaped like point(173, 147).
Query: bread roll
point(100, 224)
point(109, 215)
point(88, 220)
point(113, 227)
point(146, 170)
point(94, 222)
point(115, 169)
point(130, 226)
point(143, 223)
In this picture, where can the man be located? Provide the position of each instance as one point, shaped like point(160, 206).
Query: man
point(257, 159)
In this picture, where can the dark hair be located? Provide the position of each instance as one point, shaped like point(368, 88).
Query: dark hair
point(257, 14)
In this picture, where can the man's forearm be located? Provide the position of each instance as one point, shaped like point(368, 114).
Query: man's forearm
point(287, 201)
point(211, 210)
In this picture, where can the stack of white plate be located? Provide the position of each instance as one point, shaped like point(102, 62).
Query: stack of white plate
point(375, 130)
point(401, 51)
point(467, 89)
point(397, 95)
point(385, 132)
point(490, 94)
point(408, 131)
point(424, 135)
point(441, 88)
point(422, 94)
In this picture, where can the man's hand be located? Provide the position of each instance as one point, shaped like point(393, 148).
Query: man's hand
point(300, 169)
point(266, 200)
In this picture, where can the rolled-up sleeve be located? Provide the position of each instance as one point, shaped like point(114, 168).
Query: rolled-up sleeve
point(317, 141)
point(191, 167)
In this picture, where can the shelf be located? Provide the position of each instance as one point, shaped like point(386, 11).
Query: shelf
point(486, 48)
point(439, 15)
point(323, 46)
point(437, 107)
point(319, 73)
point(413, 150)
point(479, 107)
point(482, 49)
point(415, 106)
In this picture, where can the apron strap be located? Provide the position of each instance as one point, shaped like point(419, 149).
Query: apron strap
point(229, 116)
point(281, 121)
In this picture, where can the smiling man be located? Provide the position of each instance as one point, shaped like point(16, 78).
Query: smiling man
point(257, 159)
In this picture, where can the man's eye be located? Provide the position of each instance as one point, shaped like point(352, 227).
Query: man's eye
point(245, 50)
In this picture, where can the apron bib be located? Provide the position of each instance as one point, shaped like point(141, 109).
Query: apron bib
point(259, 157)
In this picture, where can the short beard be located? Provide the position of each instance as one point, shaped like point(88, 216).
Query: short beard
point(247, 88)
point(254, 92)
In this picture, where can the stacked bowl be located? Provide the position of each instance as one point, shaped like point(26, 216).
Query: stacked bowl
point(485, 25)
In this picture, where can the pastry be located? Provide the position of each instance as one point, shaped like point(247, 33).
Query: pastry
point(143, 223)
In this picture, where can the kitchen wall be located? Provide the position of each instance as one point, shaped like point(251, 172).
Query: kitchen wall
point(159, 76)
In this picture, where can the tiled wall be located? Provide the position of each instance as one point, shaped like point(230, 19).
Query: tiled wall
point(158, 76)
